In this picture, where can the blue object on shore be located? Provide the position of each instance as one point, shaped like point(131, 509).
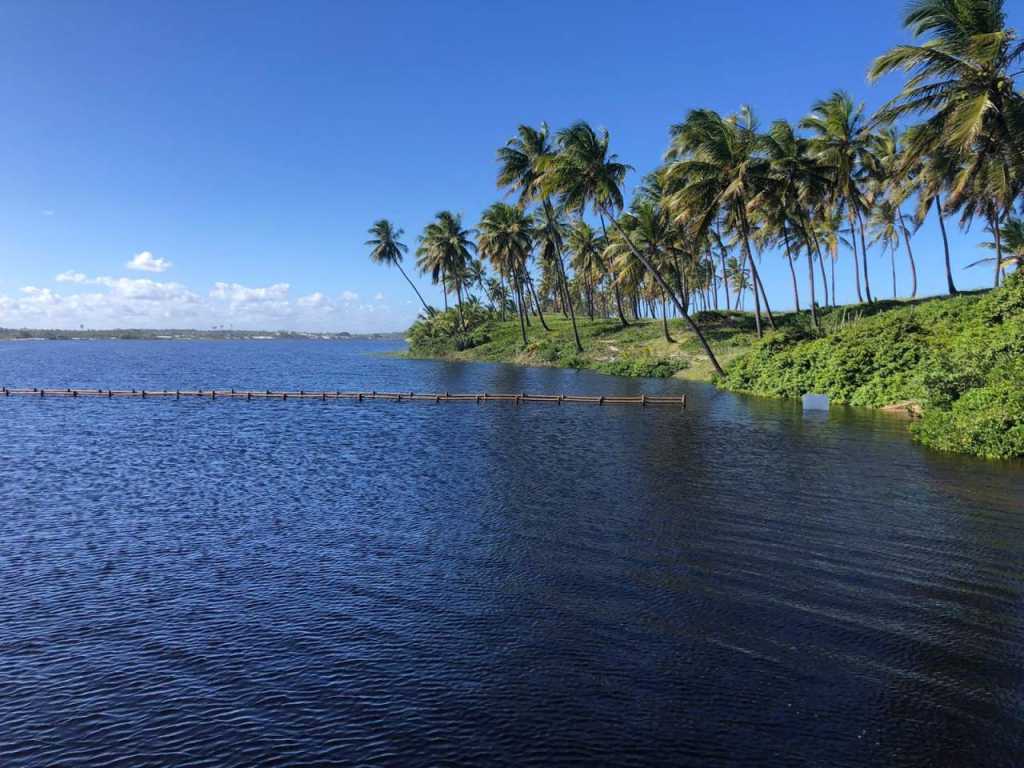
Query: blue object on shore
point(815, 402)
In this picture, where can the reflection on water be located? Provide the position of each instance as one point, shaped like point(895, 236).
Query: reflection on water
point(237, 583)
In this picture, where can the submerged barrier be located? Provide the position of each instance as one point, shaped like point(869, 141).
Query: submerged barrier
point(301, 394)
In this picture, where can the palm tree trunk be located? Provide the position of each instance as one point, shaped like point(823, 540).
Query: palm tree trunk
point(458, 298)
point(444, 289)
point(411, 283)
point(615, 287)
point(536, 300)
point(910, 256)
point(664, 319)
point(517, 291)
point(950, 286)
point(810, 267)
point(725, 282)
point(568, 301)
point(675, 299)
point(999, 247)
point(757, 299)
point(756, 278)
point(792, 269)
point(856, 258)
point(892, 263)
point(864, 257)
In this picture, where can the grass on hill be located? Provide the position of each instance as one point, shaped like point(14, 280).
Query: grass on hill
point(637, 350)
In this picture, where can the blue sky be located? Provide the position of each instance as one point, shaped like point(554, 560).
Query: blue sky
point(243, 148)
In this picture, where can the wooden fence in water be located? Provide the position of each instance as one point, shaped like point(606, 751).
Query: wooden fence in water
point(302, 394)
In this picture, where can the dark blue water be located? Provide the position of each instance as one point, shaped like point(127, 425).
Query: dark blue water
point(294, 583)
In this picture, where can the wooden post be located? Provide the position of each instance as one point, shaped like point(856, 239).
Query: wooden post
point(601, 400)
point(643, 400)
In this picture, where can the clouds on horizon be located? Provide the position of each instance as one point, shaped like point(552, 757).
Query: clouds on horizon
point(104, 302)
point(146, 262)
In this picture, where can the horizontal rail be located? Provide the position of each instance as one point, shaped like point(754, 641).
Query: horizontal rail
point(302, 394)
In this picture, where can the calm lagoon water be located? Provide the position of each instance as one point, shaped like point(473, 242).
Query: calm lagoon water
point(268, 583)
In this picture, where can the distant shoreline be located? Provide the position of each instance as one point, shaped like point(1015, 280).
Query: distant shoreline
point(139, 334)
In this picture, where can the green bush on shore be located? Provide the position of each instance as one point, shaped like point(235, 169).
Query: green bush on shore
point(959, 358)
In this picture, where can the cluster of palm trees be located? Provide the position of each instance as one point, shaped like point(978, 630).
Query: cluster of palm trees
point(951, 142)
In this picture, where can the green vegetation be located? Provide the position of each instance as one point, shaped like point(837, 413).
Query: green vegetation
point(639, 349)
point(960, 361)
point(690, 243)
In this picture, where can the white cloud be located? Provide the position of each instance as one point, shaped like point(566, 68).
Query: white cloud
point(146, 262)
point(240, 294)
point(349, 296)
point(379, 296)
point(71, 277)
point(313, 300)
point(47, 212)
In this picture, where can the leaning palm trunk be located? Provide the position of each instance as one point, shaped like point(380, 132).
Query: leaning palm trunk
point(413, 285)
point(517, 290)
point(910, 256)
point(444, 289)
point(536, 300)
point(668, 290)
point(951, 287)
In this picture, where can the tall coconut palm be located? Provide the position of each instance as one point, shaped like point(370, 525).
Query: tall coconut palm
point(842, 141)
point(521, 165)
point(444, 251)
point(716, 167)
point(961, 81)
point(585, 173)
point(388, 249)
point(505, 238)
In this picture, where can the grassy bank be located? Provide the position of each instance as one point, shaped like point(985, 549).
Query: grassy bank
point(638, 350)
point(958, 362)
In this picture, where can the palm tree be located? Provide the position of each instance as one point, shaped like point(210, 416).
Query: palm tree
point(584, 173)
point(796, 185)
point(737, 276)
point(1011, 244)
point(716, 167)
point(444, 251)
point(842, 141)
point(962, 84)
point(886, 231)
point(505, 237)
point(586, 247)
point(388, 249)
point(890, 188)
point(522, 162)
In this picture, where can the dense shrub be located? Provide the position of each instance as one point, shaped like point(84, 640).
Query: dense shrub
point(960, 358)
